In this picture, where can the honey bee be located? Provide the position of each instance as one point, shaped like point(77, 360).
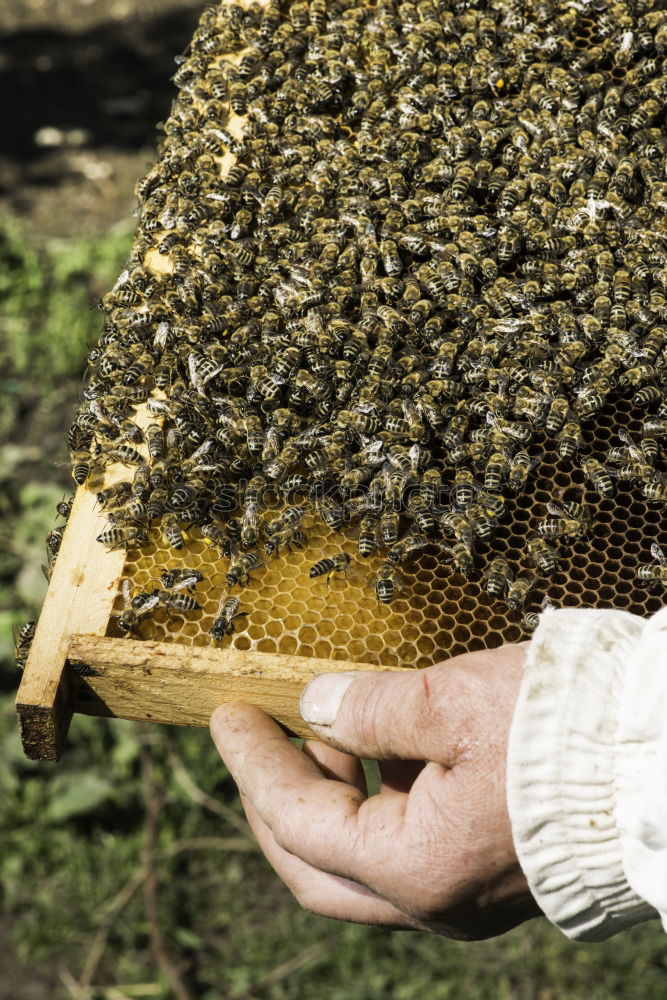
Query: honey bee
point(155, 442)
point(81, 467)
point(288, 537)
point(331, 512)
point(54, 540)
point(462, 556)
point(114, 496)
point(173, 533)
point(125, 454)
point(598, 476)
point(655, 490)
point(561, 524)
point(544, 557)
point(518, 592)
point(130, 616)
point(239, 570)
point(226, 615)
point(181, 603)
point(250, 525)
point(128, 536)
point(654, 427)
point(498, 577)
point(497, 468)
point(559, 411)
point(462, 490)
point(654, 573)
point(388, 583)
point(531, 619)
point(429, 486)
point(23, 642)
point(338, 563)
point(64, 507)
point(520, 467)
point(570, 438)
point(291, 517)
point(180, 579)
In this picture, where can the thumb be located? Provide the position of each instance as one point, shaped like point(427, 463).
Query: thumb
point(380, 716)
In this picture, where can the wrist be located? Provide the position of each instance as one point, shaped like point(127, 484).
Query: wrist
point(563, 771)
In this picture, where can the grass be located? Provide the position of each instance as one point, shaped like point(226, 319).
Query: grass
point(75, 837)
point(48, 295)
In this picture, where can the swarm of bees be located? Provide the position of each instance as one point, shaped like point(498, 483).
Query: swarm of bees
point(442, 240)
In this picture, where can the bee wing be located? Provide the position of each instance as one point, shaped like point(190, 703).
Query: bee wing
point(415, 453)
point(202, 450)
point(314, 322)
point(367, 407)
point(658, 554)
point(410, 411)
point(184, 584)
point(250, 514)
point(547, 603)
point(625, 437)
point(556, 510)
point(152, 601)
point(161, 334)
point(372, 453)
point(127, 593)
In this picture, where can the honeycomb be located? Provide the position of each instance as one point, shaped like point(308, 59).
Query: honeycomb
point(439, 613)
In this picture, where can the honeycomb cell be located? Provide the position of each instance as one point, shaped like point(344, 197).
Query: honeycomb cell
point(425, 645)
point(307, 634)
point(356, 649)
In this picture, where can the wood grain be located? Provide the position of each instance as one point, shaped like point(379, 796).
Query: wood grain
point(162, 682)
point(79, 599)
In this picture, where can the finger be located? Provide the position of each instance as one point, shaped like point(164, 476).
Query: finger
point(319, 892)
point(334, 764)
point(412, 715)
point(327, 823)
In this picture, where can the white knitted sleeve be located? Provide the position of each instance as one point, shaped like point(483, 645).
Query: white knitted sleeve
point(587, 770)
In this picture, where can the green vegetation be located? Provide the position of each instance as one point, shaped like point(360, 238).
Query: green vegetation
point(48, 296)
point(82, 841)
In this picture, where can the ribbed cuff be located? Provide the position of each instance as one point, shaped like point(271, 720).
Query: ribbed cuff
point(561, 772)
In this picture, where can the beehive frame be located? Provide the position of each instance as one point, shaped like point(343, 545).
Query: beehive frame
point(74, 667)
point(169, 671)
point(174, 674)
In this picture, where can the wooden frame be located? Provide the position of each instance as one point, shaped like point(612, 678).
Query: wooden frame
point(74, 667)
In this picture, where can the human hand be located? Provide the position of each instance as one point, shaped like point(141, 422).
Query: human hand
point(433, 850)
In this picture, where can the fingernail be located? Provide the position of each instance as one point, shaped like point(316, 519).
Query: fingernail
point(321, 699)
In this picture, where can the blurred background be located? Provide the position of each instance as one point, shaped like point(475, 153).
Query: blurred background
point(127, 870)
